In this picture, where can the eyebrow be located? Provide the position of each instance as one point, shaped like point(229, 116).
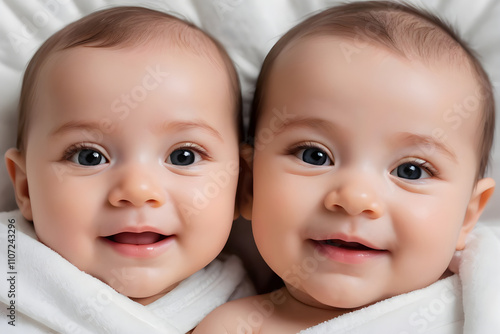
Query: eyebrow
point(308, 123)
point(76, 125)
point(167, 126)
point(187, 125)
point(426, 142)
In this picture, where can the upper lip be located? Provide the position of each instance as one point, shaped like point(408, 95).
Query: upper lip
point(348, 238)
point(137, 229)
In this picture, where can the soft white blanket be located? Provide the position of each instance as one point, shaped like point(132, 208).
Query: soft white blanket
point(41, 292)
point(467, 303)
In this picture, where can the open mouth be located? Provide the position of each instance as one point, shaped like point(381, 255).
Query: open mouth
point(146, 244)
point(349, 252)
point(346, 245)
point(130, 238)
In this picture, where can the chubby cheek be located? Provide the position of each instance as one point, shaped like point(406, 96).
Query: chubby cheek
point(62, 215)
point(427, 235)
point(278, 218)
point(207, 214)
point(69, 240)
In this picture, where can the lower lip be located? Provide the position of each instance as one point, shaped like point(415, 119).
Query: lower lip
point(348, 256)
point(141, 251)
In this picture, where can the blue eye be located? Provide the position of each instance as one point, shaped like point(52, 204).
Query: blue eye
point(314, 156)
point(182, 157)
point(87, 157)
point(410, 171)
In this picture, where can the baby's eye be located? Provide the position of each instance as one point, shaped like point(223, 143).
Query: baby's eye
point(314, 156)
point(87, 157)
point(183, 157)
point(411, 171)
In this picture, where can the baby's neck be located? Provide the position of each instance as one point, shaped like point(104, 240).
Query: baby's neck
point(302, 312)
point(150, 299)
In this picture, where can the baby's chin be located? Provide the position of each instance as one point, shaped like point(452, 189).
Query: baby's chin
point(146, 300)
point(345, 300)
point(143, 290)
point(350, 295)
point(349, 304)
point(141, 293)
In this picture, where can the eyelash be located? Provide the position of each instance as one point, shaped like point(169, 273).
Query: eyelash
point(301, 146)
point(194, 147)
point(73, 149)
point(306, 145)
point(422, 164)
point(431, 170)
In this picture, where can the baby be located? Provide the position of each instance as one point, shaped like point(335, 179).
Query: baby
point(127, 164)
point(370, 134)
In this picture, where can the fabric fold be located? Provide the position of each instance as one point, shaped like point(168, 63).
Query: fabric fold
point(465, 303)
point(53, 296)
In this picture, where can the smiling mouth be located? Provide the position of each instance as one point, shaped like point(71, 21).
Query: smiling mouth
point(349, 252)
point(130, 238)
point(346, 245)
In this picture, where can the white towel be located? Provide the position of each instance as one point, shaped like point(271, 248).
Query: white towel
point(467, 303)
point(479, 270)
point(50, 295)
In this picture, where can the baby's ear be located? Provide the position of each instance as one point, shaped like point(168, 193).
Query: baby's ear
point(244, 196)
point(480, 197)
point(16, 166)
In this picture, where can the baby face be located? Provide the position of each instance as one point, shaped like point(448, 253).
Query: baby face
point(132, 164)
point(363, 177)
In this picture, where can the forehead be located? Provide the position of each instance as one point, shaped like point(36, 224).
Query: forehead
point(89, 74)
point(129, 58)
point(123, 88)
point(333, 67)
point(372, 82)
